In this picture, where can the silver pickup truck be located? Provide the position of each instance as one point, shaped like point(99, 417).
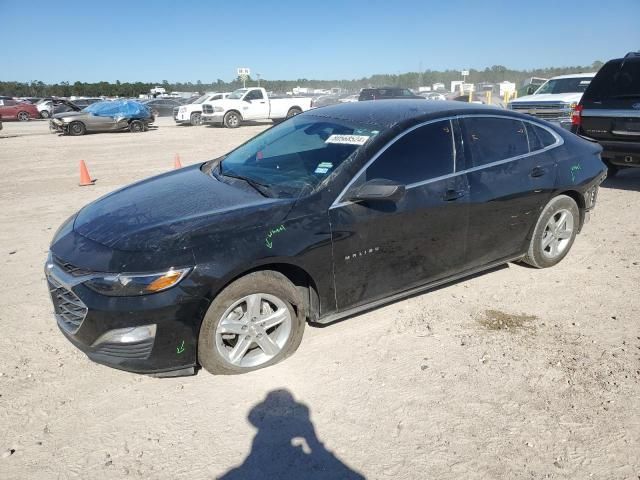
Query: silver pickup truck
point(556, 99)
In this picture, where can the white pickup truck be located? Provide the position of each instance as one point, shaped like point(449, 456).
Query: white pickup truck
point(252, 104)
point(555, 99)
point(191, 112)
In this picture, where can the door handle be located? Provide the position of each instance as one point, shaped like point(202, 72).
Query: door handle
point(261, 102)
point(451, 195)
point(537, 172)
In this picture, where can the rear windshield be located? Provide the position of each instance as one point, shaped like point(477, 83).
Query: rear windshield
point(565, 85)
point(617, 79)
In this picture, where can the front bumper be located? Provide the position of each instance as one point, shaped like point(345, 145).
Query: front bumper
point(104, 327)
point(212, 118)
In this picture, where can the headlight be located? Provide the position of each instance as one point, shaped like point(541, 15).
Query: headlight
point(132, 284)
point(218, 109)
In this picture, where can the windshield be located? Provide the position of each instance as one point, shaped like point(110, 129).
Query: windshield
point(201, 99)
point(237, 94)
point(565, 85)
point(617, 79)
point(298, 153)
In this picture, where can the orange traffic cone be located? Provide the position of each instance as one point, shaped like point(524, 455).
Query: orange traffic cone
point(85, 179)
point(176, 162)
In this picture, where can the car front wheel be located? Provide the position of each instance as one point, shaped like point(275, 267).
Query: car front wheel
point(77, 128)
point(254, 322)
point(195, 119)
point(23, 116)
point(232, 120)
point(554, 233)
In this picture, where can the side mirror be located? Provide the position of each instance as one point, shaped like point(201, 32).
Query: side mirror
point(378, 189)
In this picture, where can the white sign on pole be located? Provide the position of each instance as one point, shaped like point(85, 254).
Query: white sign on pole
point(465, 73)
point(243, 71)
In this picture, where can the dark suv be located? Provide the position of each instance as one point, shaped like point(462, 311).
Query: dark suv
point(609, 112)
point(384, 93)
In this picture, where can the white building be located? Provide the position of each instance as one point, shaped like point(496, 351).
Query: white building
point(438, 86)
point(424, 89)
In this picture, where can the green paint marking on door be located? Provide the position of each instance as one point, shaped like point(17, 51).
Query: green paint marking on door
point(180, 349)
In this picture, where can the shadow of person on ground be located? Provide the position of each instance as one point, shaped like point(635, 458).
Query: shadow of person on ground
point(626, 179)
point(286, 446)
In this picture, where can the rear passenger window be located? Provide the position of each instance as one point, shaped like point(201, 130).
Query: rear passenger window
point(539, 138)
point(422, 154)
point(491, 139)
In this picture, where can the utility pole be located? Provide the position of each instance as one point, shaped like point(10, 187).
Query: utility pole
point(258, 75)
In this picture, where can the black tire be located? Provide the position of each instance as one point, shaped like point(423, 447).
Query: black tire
point(263, 282)
point(538, 256)
point(195, 119)
point(45, 114)
point(23, 116)
point(293, 111)
point(232, 119)
point(76, 129)
point(136, 126)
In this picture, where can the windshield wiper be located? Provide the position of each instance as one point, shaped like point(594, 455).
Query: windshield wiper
point(261, 188)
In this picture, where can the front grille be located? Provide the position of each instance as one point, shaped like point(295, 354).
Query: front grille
point(72, 269)
point(207, 108)
point(546, 111)
point(138, 351)
point(69, 309)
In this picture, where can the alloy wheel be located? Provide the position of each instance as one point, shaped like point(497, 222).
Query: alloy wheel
point(253, 330)
point(557, 234)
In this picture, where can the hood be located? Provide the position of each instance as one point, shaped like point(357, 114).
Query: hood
point(69, 114)
point(550, 97)
point(171, 211)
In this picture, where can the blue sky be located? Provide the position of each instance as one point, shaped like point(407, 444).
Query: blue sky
point(192, 40)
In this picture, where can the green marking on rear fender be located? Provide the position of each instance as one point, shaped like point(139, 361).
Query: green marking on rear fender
point(574, 169)
point(180, 349)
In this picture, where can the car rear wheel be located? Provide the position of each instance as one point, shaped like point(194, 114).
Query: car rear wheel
point(293, 112)
point(45, 114)
point(254, 322)
point(232, 120)
point(195, 119)
point(554, 233)
point(77, 129)
point(23, 116)
point(136, 126)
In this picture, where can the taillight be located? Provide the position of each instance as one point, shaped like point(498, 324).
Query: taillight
point(576, 115)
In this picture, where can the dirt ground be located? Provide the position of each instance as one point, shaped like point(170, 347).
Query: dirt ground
point(516, 373)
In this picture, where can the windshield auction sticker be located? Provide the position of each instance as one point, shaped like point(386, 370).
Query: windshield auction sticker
point(348, 139)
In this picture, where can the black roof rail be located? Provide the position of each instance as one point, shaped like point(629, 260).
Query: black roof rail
point(632, 54)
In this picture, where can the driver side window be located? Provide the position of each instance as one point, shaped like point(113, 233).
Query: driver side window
point(422, 154)
point(254, 95)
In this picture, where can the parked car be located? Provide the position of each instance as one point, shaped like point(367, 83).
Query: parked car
point(252, 104)
point(609, 112)
point(386, 93)
point(16, 110)
point(436, 96)
point(190, 113)
point(163, 107)
point(555, 100)
point(110, 116)
point(327, 214)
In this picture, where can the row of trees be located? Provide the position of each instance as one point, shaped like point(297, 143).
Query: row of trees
point(496, 73)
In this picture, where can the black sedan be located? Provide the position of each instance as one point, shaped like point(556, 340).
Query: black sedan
point(163, 107)
point(334, 211)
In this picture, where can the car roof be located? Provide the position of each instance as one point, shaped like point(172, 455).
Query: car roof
point(575, 75)
point(386, 113)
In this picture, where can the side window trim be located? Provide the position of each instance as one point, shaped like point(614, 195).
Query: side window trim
point(339, 202)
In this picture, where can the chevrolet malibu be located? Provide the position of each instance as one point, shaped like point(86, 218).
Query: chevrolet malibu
point(332, 212)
